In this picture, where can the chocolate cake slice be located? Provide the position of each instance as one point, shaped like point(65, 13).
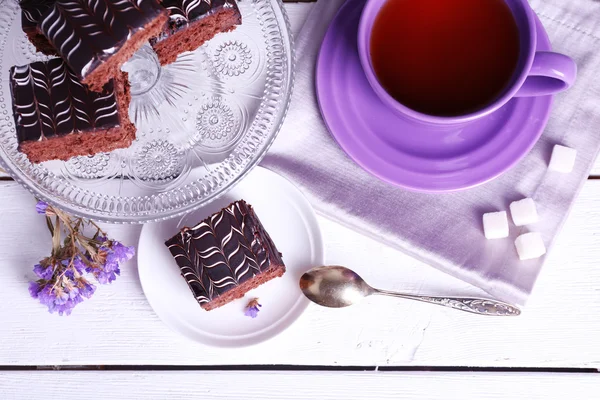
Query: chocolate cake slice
point(96, 37)
point(57, 117)
point(226, 255)
point(31, 13)
point(191, 23)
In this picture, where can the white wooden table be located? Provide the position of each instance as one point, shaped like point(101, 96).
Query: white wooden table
point(115, 347)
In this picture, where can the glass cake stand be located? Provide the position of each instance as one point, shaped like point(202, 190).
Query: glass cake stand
point(202, 122)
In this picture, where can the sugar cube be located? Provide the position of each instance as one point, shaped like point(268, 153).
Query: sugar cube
point(562, 159)
point(530, 245)
point(495, 225)
point(523, 212)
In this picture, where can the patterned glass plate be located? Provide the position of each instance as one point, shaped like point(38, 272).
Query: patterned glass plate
point(202, 122)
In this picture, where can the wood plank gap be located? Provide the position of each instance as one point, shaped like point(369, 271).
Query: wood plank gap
point(560, 370)
point(9, 179)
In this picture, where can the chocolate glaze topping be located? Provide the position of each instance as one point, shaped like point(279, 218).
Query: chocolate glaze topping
point(49, 100)
point(32, 11)
point(223, 251)
point(88, 32)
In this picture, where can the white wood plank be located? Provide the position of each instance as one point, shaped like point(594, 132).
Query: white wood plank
point(297, 385)
point(558, 329)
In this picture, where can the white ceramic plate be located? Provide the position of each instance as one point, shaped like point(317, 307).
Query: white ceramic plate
point(292, 224)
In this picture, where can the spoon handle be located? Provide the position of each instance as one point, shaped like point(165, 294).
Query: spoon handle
point(469, 304)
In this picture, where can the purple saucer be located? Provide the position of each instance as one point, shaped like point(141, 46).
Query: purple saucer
point(408, 154)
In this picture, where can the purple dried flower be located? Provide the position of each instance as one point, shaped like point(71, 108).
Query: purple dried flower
point(252, 308)
point(121, 253)
point(45, 297)
point(86, 289)
point(44, 272)
point(101, 238)
point(34, 289)
point(50, 298)
point(61, 296)
point(72, 266)
point(116, 253)
point(252, 312)
point(89, 269)
point(73, 293)
point(79, 265)
point(108, 273)
point(41, 207)
point(103, 277)
point(61, 300)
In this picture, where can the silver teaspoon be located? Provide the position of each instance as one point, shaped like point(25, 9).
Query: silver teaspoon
point(334, 286)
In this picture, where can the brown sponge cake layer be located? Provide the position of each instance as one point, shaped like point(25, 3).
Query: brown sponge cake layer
point(41, 43)
point(240, 291)
point(203, 25)
point(63, 148)
point(97, 79)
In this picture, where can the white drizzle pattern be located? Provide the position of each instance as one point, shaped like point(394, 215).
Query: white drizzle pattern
point(50, 100)
point(186, 11)
point(33, 9)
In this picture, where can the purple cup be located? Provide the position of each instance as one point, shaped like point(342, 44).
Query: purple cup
point(538, 73)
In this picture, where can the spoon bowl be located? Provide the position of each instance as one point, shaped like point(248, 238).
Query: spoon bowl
point(334, 286)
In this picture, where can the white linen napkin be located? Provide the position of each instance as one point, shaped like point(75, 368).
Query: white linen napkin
point(445, 230)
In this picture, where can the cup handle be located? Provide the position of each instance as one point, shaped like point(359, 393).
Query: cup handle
point(550, 73)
